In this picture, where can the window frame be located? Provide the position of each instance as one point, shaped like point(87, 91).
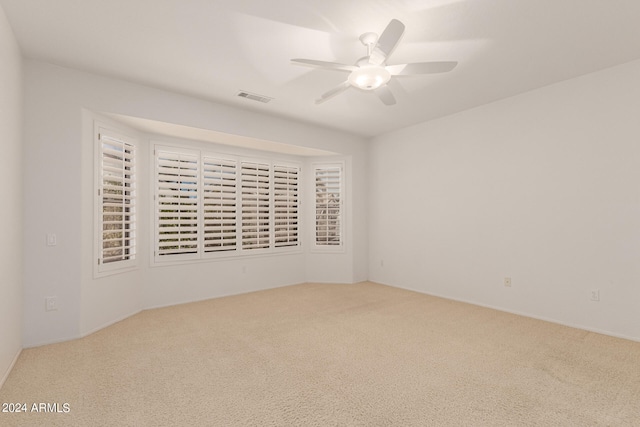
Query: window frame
point(223, 208)
point(131, 262)
point(158, 256)
point(256, 250)
point(315, 247)
point(287, 201)
point(239, 250)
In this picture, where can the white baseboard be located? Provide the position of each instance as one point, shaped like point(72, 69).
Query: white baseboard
point(82, 334)
point(216, 296)
point(49, 342)
point(106, 325)
point(10, 368)
point(519, 313)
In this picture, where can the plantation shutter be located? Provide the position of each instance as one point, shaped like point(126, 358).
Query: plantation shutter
point(285, 200)
point(255, 205)
point(219, 204)
point(177, 203)
point(117, 200)
point(328, 183)
point(210, 205)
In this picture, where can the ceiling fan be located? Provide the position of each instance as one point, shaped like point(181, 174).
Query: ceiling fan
point(371, 73)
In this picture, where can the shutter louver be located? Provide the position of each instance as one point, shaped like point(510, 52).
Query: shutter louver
point(117, 200)
point(285, 199)
point(328, 206)
point(177, 203)
point(255, 205)
point(219, 204)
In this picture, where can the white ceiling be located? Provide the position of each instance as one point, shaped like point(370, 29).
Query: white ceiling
point(214, 48)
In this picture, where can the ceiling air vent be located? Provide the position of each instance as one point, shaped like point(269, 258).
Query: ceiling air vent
point(254, 96)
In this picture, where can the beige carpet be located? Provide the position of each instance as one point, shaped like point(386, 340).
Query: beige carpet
point(330, 355)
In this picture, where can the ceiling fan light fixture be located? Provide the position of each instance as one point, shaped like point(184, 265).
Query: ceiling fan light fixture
point(371, 73)
point(369, 78)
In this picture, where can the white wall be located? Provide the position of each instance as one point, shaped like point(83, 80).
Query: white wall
point(11, 213)
point(542, 187)
point(173, 284)
point(59, 198)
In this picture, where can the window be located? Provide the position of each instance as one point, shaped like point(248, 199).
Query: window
point(328, 205)
point(220, 205)
point(285, 205)
point(177, 197)
point(116, 201)
point(210, 205)
point(255, 205)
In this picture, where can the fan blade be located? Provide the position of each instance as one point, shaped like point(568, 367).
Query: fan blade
point(387, 42)
point(421, 68)
point(385, 95)
point(324, 64)
point(333, 92)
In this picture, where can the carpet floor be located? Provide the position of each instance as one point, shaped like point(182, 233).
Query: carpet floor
point(329, 355)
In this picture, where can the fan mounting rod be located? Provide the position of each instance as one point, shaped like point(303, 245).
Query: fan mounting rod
point(369, 40)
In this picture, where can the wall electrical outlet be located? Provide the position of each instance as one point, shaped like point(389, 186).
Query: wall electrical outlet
point(51, 303)
point(595, 295)
point(507, 281)
point(51, 239)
